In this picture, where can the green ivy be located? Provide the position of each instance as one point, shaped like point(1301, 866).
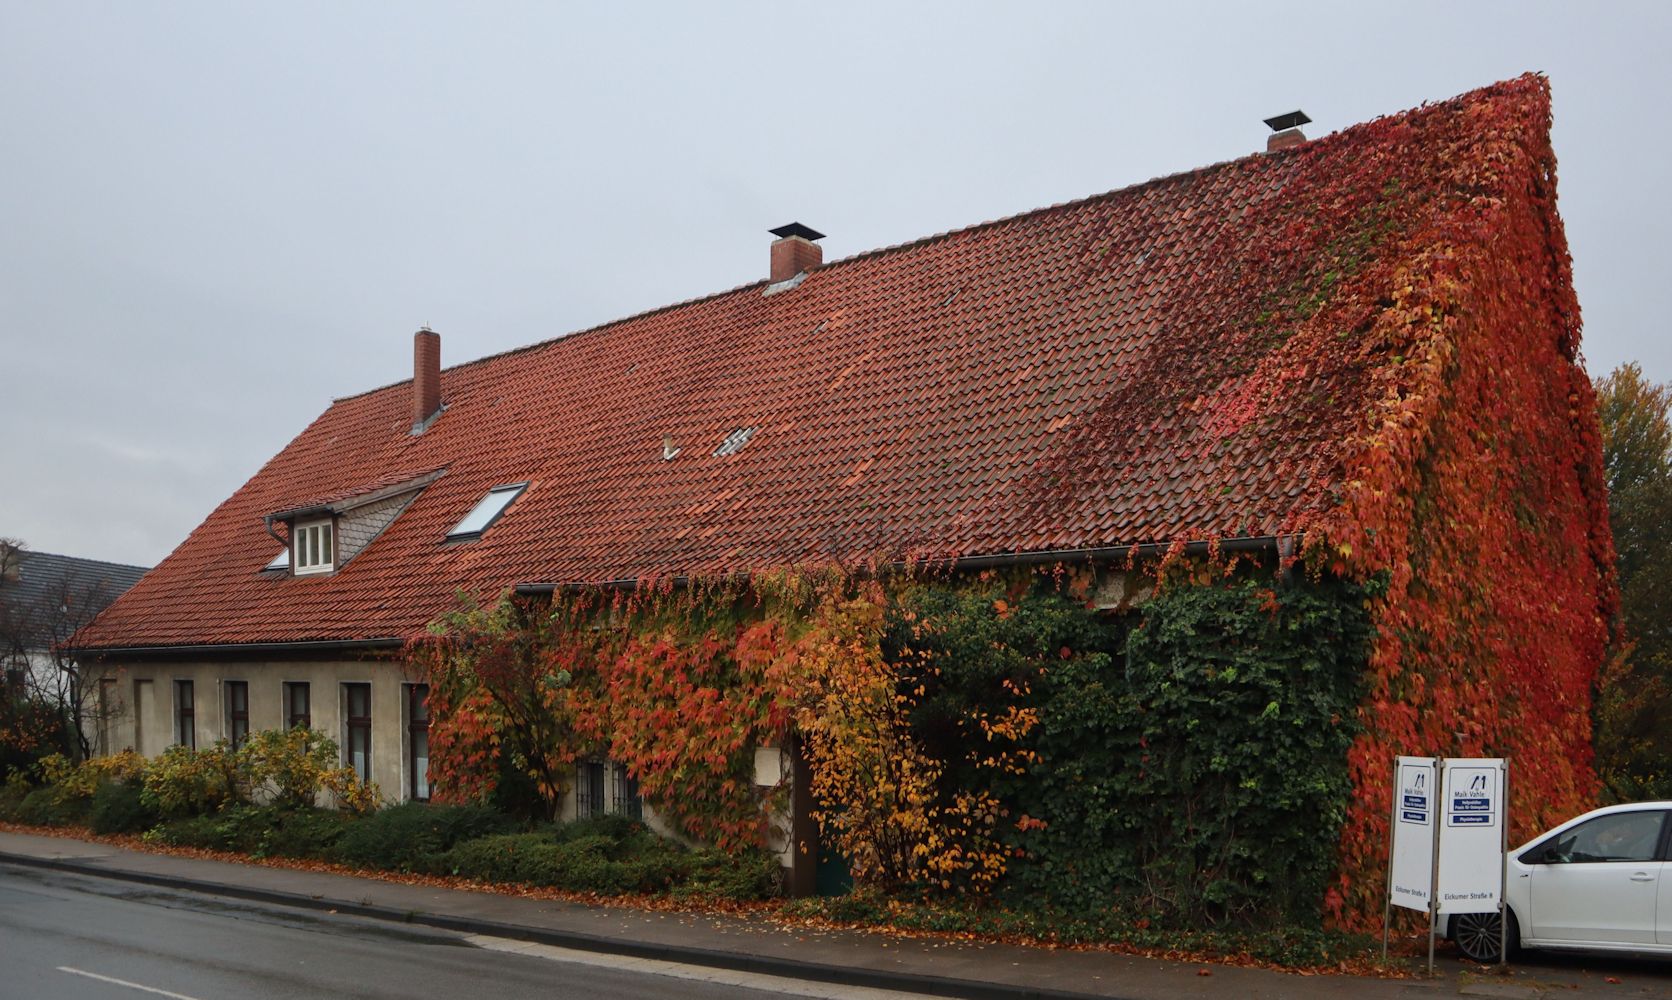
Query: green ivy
point(1190, 758)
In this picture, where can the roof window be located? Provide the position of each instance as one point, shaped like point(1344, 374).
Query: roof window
point(280, 561)
point(484, 514)
point(734, 442)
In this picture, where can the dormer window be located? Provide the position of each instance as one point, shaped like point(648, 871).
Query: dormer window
point(280, 561)
point(485, 513)
point(313, 547)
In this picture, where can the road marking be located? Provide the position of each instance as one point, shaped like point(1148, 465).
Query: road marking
point(698, 973)
point(124, 982)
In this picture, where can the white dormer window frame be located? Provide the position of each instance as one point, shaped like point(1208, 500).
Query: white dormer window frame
point(313, 546)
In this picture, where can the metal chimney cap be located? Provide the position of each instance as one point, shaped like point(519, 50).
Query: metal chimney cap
point(1294, 119)
point(797, 229)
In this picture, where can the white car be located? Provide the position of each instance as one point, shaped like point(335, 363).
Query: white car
point(1599, 882)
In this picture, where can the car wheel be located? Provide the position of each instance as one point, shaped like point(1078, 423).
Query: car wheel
point(1477, 936)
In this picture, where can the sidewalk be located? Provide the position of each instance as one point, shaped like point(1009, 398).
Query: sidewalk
point(843, 958)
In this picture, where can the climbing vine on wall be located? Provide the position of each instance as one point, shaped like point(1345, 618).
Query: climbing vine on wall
point(963, 734)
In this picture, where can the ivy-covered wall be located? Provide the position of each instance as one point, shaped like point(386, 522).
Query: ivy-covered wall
point(997, 734)
point(1478, 487)
point(1187, 760)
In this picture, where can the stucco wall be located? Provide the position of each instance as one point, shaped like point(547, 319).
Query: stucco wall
point(145, 714)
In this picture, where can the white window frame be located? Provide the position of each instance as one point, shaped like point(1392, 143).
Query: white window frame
point(305, 537)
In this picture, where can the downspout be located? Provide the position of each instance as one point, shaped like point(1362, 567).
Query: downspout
point(268, 520)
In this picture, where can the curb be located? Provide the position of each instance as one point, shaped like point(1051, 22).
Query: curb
point(835, 975)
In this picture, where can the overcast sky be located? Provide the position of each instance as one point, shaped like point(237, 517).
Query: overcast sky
point(216, 217)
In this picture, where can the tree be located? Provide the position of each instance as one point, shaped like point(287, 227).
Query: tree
point(1634, 747)
point(500, 701)
point(47, 706)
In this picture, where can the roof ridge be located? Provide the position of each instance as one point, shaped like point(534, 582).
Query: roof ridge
point(28, 553)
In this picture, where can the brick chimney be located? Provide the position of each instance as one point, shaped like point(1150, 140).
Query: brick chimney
point(1286, 131)
point(426, 378)
point(794, 251)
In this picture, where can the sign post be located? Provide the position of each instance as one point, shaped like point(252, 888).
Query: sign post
point(1411, 866)
point(1449, 836)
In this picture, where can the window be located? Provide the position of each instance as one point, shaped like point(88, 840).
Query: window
point(627, 801)
point(107, 713)
point(185, 729)
point(142, 707)
point(357, 748)
point(1627, 836)
point(280, 561)
point(418, 741)
point(589, 789)
point(296, 706)
point(237, 712)
point(484, 514)
point(315, 548)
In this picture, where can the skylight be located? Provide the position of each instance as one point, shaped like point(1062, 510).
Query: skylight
point(734, 442)
point(485, 513)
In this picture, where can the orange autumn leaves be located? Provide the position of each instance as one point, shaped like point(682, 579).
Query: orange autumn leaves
point(681, 688)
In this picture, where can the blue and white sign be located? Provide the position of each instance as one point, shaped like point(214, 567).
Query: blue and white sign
point(1472, 835)
point(1411, 866)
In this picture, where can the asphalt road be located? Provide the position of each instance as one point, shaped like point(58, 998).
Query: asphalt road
point(71, 937)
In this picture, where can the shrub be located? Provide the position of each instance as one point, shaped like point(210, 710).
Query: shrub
point(292, 766)
point(188, 782)
point(30, 729)
point(582, 863)
point(620, 831)
point(303, 833)
point(612, 855)
point(12, 793)
point(497, 858)
point(120, 807)
point(46, 807)
point(750, 875)
point(206, 832)
point(82, 780)
point(411, 837)
point(260, 831)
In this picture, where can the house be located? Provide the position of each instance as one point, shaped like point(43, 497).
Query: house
point(44, 598)
point(1359, 352)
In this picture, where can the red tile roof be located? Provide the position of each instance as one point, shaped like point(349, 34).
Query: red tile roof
point(990, 390)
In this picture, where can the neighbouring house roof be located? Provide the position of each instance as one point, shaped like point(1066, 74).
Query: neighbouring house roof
point(41, 593)
point(1103, 373)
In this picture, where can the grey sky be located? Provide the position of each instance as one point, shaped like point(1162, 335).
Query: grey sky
point(215, 217)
